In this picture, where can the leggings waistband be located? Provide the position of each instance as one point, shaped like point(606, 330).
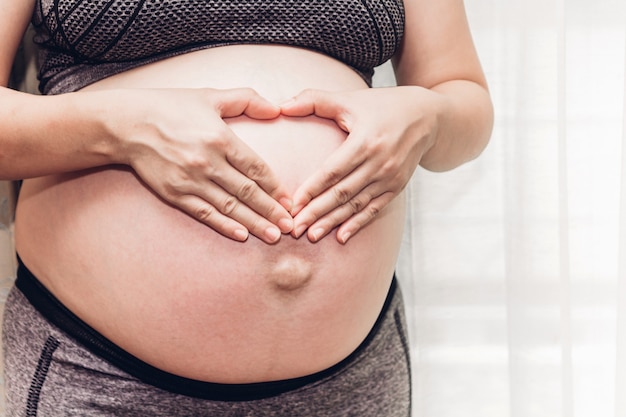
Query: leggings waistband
point(60, 316)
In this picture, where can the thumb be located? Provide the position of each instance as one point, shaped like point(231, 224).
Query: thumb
point(316, 102)
point(239, 101)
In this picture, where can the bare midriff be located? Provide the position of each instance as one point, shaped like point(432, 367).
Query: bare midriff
point(184, 298)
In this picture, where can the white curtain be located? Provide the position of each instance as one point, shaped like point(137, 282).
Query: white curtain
point(514, 266)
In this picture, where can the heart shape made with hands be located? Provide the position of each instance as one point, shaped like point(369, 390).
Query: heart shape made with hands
point(376, 139)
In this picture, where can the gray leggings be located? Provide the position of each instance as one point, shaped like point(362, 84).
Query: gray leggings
point(51, 372)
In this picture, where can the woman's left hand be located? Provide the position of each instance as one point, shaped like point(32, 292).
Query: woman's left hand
point(389, 130)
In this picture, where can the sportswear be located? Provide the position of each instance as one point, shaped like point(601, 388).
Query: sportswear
point(84, 41)
point(57, 365)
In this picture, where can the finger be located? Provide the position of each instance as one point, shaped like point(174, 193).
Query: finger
point(350, 227)
point(239, 101)
point(348, 197)
point(242, 189)
point(258, 225)
point(339, 215)
point(342, 162)
point(217, 208)
point(265, 194)
point(318, 225)
point(320, 103)
point(210, 216)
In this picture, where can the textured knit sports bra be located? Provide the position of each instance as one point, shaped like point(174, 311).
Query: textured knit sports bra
point(83, 41)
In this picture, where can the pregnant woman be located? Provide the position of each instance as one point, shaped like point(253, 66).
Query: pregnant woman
point(212, 201)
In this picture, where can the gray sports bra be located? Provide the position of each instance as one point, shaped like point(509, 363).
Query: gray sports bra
point(83, 41)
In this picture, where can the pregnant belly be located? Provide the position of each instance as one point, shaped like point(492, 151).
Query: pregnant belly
point(184, 298)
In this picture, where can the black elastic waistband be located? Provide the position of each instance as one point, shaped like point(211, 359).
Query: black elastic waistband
point(54, 311)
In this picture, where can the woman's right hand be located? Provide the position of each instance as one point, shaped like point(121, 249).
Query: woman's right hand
point(178, 143)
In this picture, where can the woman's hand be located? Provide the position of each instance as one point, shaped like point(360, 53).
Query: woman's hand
point(389, 130)
point(181, 148)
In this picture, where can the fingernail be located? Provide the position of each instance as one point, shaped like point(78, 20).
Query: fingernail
point(285, 225)
point(272, 234)
point(241, 234)
point(299, 230)
point(317, 234)
point(343, 238)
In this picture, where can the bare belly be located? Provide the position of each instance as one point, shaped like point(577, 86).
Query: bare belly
point(184, 298)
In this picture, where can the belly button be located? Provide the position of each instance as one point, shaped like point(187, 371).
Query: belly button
point(291, 273)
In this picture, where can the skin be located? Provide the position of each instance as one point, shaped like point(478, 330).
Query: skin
point(442, 107)
point(183, 297)
point(440, 116)
point(203, 169)
point(194, 156)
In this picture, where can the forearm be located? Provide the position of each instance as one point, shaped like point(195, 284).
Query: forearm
point(42, 135)
point(465, 121)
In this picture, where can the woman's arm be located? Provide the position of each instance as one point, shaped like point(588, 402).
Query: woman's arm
point(438, 54)
point(439, 116)
point(175, 140)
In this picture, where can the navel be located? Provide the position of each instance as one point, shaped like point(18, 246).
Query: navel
point(290, 273)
